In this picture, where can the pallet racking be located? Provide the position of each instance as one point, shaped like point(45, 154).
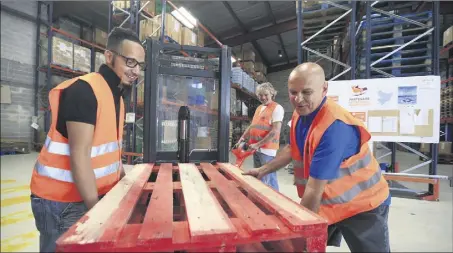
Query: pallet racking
point(117, 16)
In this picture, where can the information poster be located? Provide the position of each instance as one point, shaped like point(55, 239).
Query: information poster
point(399, 109)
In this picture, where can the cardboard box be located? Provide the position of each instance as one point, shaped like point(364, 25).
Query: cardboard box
point(100, 59)
point(100, 37)
point(62, 52)
point(82, 59)
point(172, 27)
point(248, 55)
point(124, 4)
point(445, 147)
point(188, 38)
point(448, 36)
point(146, 29)
point(200, 38)
point(150, 7)
point(249, 66)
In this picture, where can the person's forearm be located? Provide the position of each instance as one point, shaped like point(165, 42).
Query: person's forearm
point(282, 159)
point(84, 177)
point(268, 137)
point(311, 200)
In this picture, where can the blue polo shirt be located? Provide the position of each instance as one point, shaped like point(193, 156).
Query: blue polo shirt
point(339, 142)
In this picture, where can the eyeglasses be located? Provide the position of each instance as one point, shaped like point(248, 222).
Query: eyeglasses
point(131, 62)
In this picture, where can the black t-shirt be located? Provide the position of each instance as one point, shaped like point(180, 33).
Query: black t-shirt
point(78, 102)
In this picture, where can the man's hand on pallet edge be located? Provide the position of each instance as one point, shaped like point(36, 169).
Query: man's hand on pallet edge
point(258, 173)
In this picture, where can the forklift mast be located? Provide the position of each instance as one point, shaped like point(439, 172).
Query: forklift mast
point(199, 82)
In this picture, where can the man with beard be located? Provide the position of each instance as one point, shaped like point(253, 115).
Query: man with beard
point(81, 158)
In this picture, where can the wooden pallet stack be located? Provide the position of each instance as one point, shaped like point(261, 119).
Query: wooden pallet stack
point(195, 208)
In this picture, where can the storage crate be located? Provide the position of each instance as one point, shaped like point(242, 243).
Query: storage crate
point(166, 208)
point(82, 59)
point(62, 52)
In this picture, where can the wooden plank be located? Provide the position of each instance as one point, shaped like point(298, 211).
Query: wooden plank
point(257, 221)
point(177, 185)
point(293, 214)
point(206, 218)
point(157, 226)
point(410, 179)
point(251, 247)
point(101, 225)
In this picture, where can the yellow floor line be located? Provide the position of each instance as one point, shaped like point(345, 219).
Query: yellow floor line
point(16, 217)
point(7, 181)
point(18, 242)
point(15, 189)
point(14, 201)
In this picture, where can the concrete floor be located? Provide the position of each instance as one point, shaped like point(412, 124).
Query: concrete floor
point(415, 225)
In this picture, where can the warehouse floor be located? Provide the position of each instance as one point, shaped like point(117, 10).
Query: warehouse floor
point(414, 225)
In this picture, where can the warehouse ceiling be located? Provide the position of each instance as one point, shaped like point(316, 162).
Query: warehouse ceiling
point(266, 27)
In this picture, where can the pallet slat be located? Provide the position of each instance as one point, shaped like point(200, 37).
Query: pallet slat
point(257, 221)
point(207, 220)
point(157, 226)
point(295, 216)
point(101, 226)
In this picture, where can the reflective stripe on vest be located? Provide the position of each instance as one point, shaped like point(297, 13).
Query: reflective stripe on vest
point(66, 175)
point(261, 127)
point(61, 148)
point(361, 163)
point(258, 138)
point(354, 191)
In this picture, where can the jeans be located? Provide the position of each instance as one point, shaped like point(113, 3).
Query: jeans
point(53, 218)
point(259, 159)
point(363, 232)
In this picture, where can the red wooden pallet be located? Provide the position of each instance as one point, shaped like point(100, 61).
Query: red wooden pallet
point(195, 208)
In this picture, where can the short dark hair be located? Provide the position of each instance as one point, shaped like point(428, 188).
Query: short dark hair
point(118, 35)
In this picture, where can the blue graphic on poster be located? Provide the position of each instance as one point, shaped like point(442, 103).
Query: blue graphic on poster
point(407, 95)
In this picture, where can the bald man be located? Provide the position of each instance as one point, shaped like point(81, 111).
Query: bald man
point(335, 172)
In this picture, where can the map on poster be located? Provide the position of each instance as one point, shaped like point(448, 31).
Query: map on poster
point(399, 109)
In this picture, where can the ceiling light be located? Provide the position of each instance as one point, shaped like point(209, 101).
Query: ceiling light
point(280, 53)
point(185, 17)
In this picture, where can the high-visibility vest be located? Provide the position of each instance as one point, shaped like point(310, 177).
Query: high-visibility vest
point(261, 125)
point(359, 186)
point(52, 178)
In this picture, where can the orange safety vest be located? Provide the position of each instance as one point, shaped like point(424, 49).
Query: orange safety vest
point(260, 127)
point(359, 187)
point(52, 178)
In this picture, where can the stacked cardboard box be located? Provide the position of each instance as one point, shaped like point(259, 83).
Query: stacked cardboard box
point(236, 75)
point(188, 37)
point(100, 37)
point(200, 38)
point(100, 59)
point(82, 59)
point(248, 55)
point(448, 36)
point(233, 101)
point(147, 27)
point(150, 7)
point(172, 26)
point(62, 52)
point(249, 66)
point(124, 4)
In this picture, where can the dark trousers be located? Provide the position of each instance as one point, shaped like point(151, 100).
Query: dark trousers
point(363, 232)
point(53, 218)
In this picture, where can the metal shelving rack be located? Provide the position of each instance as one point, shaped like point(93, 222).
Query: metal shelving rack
point(422, 30)
point(52, 69)
point(133, 15)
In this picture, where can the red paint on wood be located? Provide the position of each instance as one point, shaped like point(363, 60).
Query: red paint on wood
point(157, 226)
point(257, 222)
